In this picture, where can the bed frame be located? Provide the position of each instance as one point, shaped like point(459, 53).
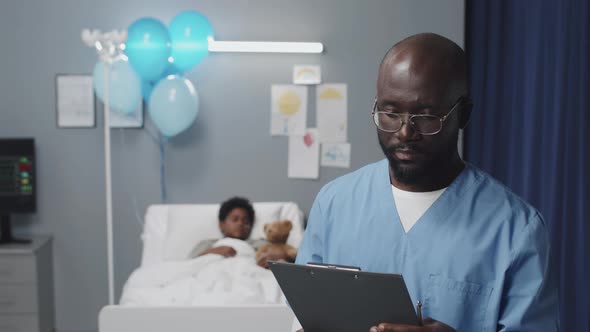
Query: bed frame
point(263, 318)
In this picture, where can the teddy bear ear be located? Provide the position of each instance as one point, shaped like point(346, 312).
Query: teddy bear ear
point(288, 224)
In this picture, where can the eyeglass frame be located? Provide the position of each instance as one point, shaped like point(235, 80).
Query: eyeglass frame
point(411, 116)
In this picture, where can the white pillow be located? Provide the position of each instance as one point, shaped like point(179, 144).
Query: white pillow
point(190, 224)
point(264, 213)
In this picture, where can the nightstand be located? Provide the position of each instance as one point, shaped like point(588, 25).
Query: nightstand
point(26, 287)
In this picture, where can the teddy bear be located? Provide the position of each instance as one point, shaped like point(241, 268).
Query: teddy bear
point(277, 249)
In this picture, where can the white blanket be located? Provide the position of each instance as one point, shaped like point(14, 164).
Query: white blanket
point(206, 280)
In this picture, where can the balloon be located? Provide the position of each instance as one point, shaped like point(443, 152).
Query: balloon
point(173, 105)
point(146, 90)
point(124, 86)
point(172, 70)
point(189, 33)
point(148, 48)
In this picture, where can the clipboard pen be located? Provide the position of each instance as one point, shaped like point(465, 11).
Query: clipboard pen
point(419, 313)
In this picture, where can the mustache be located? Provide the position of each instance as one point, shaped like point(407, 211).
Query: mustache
point(405, 146)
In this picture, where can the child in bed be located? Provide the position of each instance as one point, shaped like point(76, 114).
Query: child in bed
point(236, 217)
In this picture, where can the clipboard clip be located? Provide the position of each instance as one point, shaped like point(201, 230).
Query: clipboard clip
point(334, 266)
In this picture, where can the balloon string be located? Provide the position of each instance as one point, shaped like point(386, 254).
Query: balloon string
point(163, 198)
point(133, 196)
point(152, 135)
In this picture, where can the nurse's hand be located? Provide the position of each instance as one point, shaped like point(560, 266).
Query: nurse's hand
point(430, 325)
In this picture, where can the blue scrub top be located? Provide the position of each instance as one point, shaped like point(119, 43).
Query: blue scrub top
point(478, 258)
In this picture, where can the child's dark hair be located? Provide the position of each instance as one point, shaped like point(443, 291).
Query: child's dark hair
point(233, 203)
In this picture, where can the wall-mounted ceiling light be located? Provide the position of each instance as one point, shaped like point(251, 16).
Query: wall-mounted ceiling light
point(264, 47)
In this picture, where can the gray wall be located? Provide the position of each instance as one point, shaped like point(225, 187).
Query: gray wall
point(228, 151)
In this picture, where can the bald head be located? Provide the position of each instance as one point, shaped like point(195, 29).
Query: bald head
point(432, 57)
point(423, 75)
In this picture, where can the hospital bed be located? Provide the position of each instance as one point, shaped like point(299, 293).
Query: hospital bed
point(169, 234)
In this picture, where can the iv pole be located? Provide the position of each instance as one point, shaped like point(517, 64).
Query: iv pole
point(109, 47)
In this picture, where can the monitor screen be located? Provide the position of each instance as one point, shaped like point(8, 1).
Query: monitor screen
point(17, 175)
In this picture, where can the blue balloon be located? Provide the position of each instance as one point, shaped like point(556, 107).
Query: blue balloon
point(174, 105)
point(148, 48)
point(189, 32)
point(146, 90)
point(124, 86)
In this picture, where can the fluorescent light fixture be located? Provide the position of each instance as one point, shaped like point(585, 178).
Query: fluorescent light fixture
point(264, 47)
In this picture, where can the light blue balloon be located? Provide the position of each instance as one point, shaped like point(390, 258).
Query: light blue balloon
point(189, 33)
point(174, 105)
point(148, 48)
point(124, 86)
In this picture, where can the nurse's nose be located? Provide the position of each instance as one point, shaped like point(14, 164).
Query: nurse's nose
point(407, 131)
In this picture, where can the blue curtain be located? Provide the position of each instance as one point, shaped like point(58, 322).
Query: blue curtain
point(530, 82)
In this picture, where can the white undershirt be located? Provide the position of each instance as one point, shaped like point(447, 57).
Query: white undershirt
point(412, 205)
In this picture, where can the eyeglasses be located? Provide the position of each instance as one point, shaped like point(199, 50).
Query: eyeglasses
point(424, 124)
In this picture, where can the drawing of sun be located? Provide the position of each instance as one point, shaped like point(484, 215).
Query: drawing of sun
point(289, 103)
point(331, 93)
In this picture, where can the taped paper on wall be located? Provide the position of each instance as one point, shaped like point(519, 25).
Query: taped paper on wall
point(335, 155)
point(288, 110)
point(304, 155)
point(332, 113)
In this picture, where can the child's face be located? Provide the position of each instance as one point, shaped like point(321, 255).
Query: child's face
point(236, 225)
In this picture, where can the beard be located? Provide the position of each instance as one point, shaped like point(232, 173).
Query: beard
point(427, 166)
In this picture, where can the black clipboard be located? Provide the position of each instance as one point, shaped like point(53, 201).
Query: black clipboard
point(329, 298)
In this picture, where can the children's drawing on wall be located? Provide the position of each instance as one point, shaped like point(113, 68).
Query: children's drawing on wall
point(303, 74)
point(332, 113)
point(288, 110)
point(335, 155)
point(304, 155)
